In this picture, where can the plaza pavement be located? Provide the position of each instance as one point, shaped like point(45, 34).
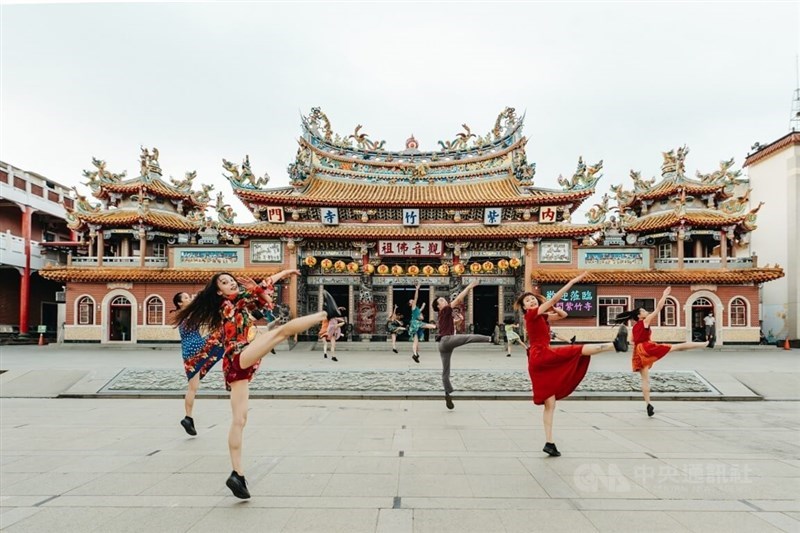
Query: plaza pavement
point(397, 465)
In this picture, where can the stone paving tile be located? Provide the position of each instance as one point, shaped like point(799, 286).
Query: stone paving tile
point(782, 521)
point(457, 521)
point(245, 518)
point(713, 522)
point(332, 521)
point(84, 520)
point(546, 521)
point(634, 521)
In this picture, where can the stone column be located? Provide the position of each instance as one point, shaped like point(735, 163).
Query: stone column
point(723, 249)
point(100, 248)
point(529, 254)
point(681, 236)
point(500, 298)
point(142, 246)
point(698, 248)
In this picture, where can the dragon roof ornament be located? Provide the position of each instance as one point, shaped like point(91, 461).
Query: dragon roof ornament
point(317, 125)
point(585, 177)
point(244, 179)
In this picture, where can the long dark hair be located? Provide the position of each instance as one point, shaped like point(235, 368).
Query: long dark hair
point(177, 300)
point(623, 317)
point(204, 309)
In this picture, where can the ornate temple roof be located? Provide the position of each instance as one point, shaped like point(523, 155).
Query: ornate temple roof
point(674, 181)
point(129, 218)
point(508, 230)
point(661, 277)
point(702, 218)
point(334, 170)
point(107, 186)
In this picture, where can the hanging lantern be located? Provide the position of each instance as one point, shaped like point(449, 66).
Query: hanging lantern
point(514, 262)
point(339, 266)
point(397, 270)
point(428, 270)
point(326, 264)
point(368, 269)
point(443, 270)
point(457, 269)
point(383, 270)
point(310, 261)
point(502, 265)
point(352, 267)
point(413, 270)
point(475, 268)
point(488, 266)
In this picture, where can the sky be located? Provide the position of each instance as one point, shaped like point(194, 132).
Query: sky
point(621, 82)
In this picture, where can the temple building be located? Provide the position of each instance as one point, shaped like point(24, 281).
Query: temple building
point(369, 225)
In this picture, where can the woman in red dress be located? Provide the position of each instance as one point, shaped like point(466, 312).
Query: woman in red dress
point(224, 304)
point(647, 352)
point(554, 371)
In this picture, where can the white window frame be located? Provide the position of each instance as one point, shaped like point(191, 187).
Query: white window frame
point(615, 306)
point(746, 306)
point(671, 304)
point(78, 301)
point(160, 249)
point(662, 247)
point(147, 303)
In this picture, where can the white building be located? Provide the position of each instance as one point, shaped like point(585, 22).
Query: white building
point(773, 170)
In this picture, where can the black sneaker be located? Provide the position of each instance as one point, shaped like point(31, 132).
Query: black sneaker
point(621, 340)
point(508, 355)
point(273, 352)
point(572, 340)
point(448, 401)
point(395, 350)
point(325, 355)
point(188, 425)
point(551, 450)
point(238, 486)
point(650, 410)
point(329, 305)
point(711, 343)
point(415, 357)
point(334, 359)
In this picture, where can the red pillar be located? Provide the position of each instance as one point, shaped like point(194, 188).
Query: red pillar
point(25, 282)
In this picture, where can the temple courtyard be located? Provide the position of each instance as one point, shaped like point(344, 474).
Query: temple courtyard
point(90, 441)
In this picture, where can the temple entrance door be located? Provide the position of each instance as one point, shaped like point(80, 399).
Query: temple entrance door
point(484, 309)
point(341, 293)
point(120, 319)
point(402, 294)
point(700, 308)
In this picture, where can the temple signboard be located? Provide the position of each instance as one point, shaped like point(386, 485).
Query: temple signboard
point(410, 248)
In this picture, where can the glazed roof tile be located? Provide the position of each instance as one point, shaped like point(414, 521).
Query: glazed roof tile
point(152, 275)
point(425, 231)
point(155, 186)
point(661, 277)
point(489, 192)
point(705, 218)
point(130, 217)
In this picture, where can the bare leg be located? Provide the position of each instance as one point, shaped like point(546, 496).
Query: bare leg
point(265, 342)
point(240, 392)
point(687, 346)
point(415, 345)
point(594, 349)
point(333, 348)
point(547, 418)
point(394, 341)
point(191, 392)
point(645, 373)
point(508, 348)
point(325, 346)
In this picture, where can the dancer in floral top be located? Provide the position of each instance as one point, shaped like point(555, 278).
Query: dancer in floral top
point(200, 354)
point(224, 304)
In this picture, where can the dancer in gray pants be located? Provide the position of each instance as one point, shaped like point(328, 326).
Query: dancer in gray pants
point(448, 340)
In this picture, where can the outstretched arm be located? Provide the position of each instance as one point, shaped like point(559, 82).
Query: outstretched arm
point(416, 294)
point(549, 304)
point(275, 278)
point(556, 314)
point(659, 306)
point(463, 294)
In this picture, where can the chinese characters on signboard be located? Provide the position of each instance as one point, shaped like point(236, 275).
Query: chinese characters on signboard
point(266, 252)
point(209, 257)
point(492, 216)
point(410, 248)
point(548, 214)
point(555, 252)
point(329, 216)
point(275, 215)
point(580, 300)
point(411, 217)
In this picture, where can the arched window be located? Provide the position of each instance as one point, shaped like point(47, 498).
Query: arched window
point(669, 313)
point(738, 312)
point(155, 311)
point(85, 311)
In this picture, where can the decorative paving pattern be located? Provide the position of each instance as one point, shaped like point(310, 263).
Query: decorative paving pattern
point(132, 380)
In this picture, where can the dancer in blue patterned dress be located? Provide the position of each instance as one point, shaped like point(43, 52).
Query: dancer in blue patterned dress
point(197, 359)
point(416, 325)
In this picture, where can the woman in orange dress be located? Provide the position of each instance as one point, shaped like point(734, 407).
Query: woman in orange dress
point(645, 351)
point(554, 371)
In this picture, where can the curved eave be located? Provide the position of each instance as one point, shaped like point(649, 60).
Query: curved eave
point(331, 193)
point(671, 219)
point(156, 187)
point(662, 277)
point(147, 275)
point(128, 218)
point(667, 189)
point(395, 231)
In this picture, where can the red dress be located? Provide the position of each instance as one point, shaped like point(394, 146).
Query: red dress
point(553, 371)
point(645, 351)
